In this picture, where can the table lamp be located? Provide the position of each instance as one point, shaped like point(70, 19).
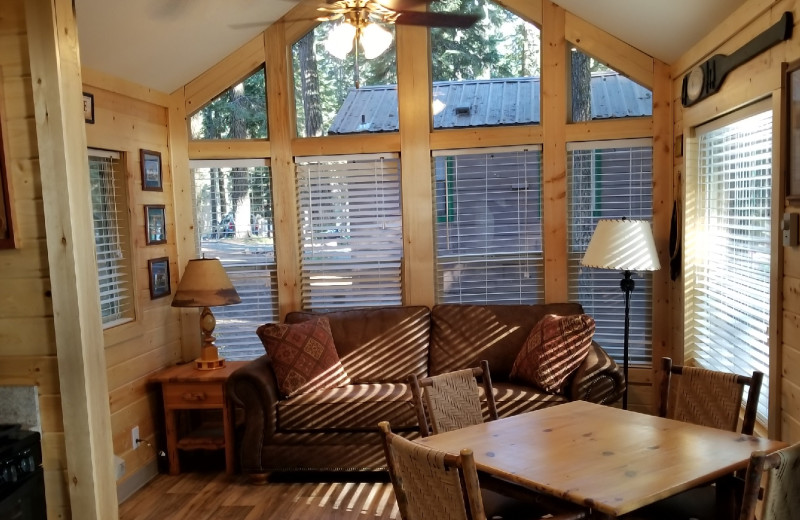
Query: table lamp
point(625, 245)
point(206, 284)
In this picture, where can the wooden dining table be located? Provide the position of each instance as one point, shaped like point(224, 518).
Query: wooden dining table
point(610, 460)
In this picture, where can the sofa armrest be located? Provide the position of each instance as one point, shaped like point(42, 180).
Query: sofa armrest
point(253, 392)
point(598, 379)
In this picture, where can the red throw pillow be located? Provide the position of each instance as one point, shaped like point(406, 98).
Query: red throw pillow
point(303, 356)
point(556, 346)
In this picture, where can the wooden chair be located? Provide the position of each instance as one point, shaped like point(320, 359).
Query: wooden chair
point(781, 498)
point(429, 483)
point(708, 397)
point(452, 400)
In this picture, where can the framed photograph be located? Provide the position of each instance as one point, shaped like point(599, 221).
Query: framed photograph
point(151, 170)
point(155, 225)
point(791, 93)
point(158, 268)
point(88, 108)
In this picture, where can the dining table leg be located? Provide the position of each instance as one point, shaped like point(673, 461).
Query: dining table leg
point(729, 491)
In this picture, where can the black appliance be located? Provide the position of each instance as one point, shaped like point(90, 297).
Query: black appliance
point(21, 475)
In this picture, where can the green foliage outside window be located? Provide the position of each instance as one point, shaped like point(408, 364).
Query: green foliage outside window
point(238, 113)
point(500, 45)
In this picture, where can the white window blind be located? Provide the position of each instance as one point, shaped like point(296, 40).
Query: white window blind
point(610, 180)
point(111, 237)
point(727, 273)
point(234, 221)
point(488, 225)
point(351, 235)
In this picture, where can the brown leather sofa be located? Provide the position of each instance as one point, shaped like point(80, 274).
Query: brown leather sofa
point(336, 429)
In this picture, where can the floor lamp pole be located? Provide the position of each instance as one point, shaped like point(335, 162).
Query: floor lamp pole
point(627, 284)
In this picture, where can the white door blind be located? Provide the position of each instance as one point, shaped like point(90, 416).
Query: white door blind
point(728, 250)
point(488, 226)
point(234, 222)
point(111, 237)
point(351, 235)
point(610, 180)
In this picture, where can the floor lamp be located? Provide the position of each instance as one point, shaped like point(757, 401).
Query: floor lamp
point(623, 245)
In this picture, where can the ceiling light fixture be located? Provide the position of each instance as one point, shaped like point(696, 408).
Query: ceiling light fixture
point(355, 28)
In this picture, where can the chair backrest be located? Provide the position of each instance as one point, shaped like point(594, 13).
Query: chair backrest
point(709, 397)
point(452, 400)
point(429, 483)
point(781, 499)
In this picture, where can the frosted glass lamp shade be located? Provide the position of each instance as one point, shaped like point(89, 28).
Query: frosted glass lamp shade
point(375, 40)
point(340, 40)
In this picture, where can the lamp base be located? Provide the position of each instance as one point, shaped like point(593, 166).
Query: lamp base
point(209, 364)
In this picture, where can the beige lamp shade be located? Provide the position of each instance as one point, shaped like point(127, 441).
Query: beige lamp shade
point(626, 245)
point(206, 284)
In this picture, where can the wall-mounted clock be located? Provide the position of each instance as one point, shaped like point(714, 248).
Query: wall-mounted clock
point(706, 79)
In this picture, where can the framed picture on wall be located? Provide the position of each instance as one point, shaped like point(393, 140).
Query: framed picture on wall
point(151, 170)
point(158, 270)
point(155, 224)
point(791, 93)
point(88, 108)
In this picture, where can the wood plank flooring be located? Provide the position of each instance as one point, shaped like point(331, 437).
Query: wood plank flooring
point(215, 495)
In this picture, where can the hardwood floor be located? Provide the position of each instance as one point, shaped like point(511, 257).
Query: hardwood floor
point(215, 495)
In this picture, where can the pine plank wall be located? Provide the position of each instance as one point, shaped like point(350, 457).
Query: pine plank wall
point(129, 117)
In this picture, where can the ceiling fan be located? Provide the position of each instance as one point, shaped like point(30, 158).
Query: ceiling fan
point(362, 20)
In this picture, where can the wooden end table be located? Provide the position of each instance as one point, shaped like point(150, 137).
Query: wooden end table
point(185, 388)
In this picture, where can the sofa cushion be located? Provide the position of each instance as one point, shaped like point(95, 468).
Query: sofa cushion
point(462, 335)
point(555, 347)
point(357, 407)
point(303, 356)
point(378, 344)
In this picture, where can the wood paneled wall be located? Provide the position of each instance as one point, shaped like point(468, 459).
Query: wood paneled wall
point(27, 336)
point(759, 78)
point(128, 118)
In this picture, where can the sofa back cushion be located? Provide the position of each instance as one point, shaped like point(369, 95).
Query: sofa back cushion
point(462, 335)
point(380, 344)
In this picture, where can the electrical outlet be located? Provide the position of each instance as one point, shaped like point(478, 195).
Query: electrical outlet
point(119, 466)
point(135, 437)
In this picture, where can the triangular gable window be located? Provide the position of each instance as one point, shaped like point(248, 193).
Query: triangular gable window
point(599, 92)
point(488, 74)
point(238, 113)
point(351, 94)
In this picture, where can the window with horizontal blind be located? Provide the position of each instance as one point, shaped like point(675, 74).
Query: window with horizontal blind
point(488, 225)
point(234, 222)
point(112, 239)
point(727, 257)
point(351, 235)
point(610, 180)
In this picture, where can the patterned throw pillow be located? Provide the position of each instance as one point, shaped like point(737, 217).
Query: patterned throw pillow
point(303, 356)
point(556, 346)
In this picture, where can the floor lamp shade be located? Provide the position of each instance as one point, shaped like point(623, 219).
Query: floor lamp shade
point(206, 284)
point(623, 245)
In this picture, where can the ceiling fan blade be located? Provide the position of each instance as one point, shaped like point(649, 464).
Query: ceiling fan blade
point(403, 5)
point(430, 19)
